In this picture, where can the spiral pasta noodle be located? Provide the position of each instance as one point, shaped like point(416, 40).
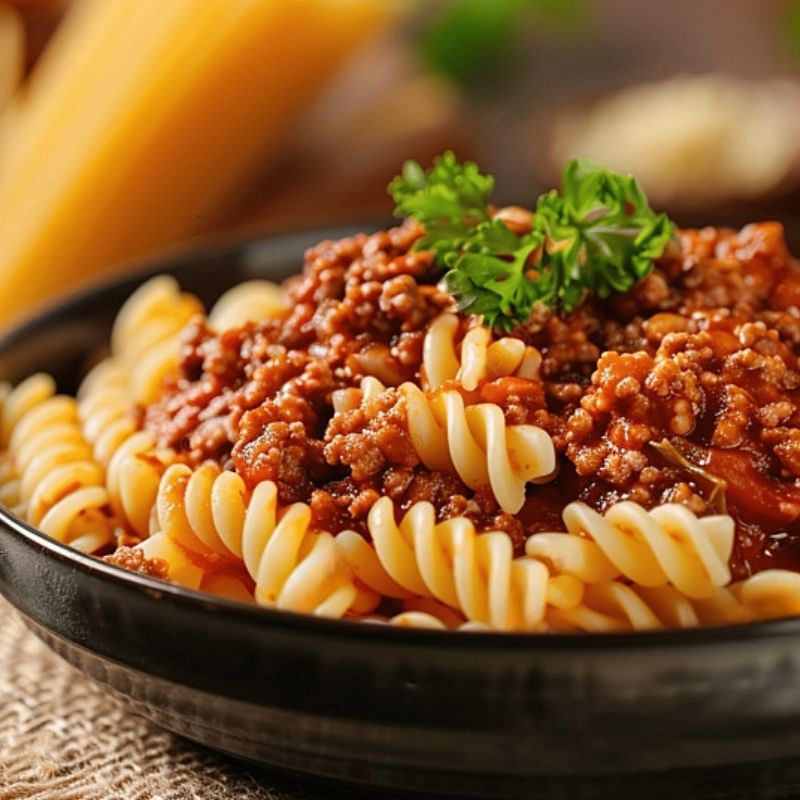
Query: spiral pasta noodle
point(476, 574)
point(425, 620)
point(133, 470)
point(667, 545)
point(479, 357)
point(133, 467)
point(209, 512)
point(344, 400)
point(146, 334)
point(614, 606)
point(51, 477)
point(248, 301)
point(16, 403)
point(475, 442)
point(105, 409)
point(22, 398)
point(132, 479)
point(770, 594)
point(425, 612)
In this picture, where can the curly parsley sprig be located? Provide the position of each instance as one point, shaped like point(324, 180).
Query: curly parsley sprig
point(597, 235)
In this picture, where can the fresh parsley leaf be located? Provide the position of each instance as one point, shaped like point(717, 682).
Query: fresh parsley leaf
point(484, 260)
point(449, 195)
point(488, 277)
point(599, 234)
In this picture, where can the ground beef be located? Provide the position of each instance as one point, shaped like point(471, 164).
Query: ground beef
point(281, 450)
point(133, 559)
point(697, 365)
point(259, 397)
point(370, 437)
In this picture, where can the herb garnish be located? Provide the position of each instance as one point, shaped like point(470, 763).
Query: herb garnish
point(599, 235)
point(713, 486)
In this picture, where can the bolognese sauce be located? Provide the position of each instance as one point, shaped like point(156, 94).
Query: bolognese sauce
point(685, 389)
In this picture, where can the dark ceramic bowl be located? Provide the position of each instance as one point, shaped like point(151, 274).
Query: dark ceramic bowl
point(712, 712)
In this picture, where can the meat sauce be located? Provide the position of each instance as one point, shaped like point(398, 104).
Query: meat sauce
point(686, 389)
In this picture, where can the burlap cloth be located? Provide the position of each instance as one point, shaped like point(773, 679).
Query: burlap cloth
point(63, 737)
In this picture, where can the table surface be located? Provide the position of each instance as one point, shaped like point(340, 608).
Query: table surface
point(64, 737)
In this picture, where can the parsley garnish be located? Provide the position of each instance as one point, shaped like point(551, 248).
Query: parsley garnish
point(598, 235)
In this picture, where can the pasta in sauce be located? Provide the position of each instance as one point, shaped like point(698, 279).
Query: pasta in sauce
point(350, 445)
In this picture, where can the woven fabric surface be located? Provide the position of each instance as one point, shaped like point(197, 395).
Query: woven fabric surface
point(63, 737)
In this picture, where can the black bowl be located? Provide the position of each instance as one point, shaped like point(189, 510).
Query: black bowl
point(690, 714)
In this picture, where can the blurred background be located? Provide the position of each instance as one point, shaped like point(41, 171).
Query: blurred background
point(127, 125)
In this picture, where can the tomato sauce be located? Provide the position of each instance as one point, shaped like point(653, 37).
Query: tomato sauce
point(686, 389)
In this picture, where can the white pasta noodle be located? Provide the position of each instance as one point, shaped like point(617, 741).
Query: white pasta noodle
point(9, 485)
point(228, 586)
point(347, 399)
point(145, 341)
point(449, 617)
point(132, 480)
point(668, 545)
point(615, 606)
point(415, 619)
point(146, 335)
point(182, 569)
point(476, 574)
point(612, 606)
point(424, 619)
point(50, 476)
point(251, 301)
point(208, 511)
point(478, 357)
point(475, 442)
point(366, 566)
point(21, 399)
point(770, 594)
point(105, 409)
point(423, 612)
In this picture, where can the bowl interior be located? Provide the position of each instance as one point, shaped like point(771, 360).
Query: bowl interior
point(67, 338)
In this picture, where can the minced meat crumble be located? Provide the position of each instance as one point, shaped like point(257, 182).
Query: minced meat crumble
point(702, 354)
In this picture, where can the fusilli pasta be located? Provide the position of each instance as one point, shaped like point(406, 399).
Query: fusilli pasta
point(249, 301)
point(475, 442)
point(612, 606)
point(770, 594)
point(479, 356)
point(210, 513)
point(474, 573)
point(616, 606)
point(668, 545)
point(146, 334)
point(51, 477)
point(132, 480)
point(105, 409)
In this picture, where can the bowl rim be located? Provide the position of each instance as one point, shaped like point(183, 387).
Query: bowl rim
point(135, 272)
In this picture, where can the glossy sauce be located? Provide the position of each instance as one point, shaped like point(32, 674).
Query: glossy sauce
point(700, 358)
